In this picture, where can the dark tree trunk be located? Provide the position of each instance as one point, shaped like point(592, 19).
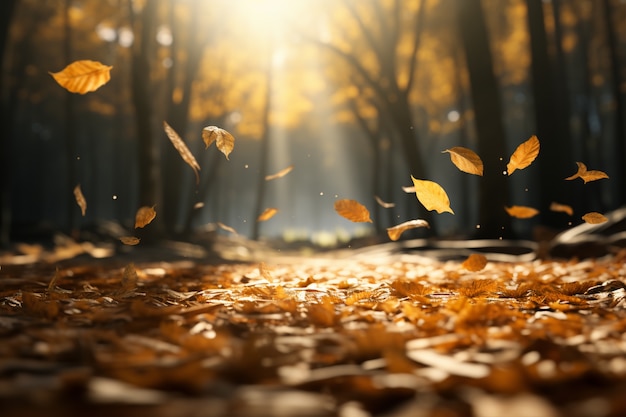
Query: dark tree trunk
point(493, 189)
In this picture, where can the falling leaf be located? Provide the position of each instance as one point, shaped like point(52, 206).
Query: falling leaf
point(395, 231)
point(382, 203)
point(475, 262)
point(224, 141)
point(83, 76)
point(432, 196)
point(563, 208)
point(227, 228)
point(524, 155)
point(587, 175)
point(352, 210)
point(80, 199)
point(144, 216)
point(521, 212)
point(466, 160)
point(267, 214)
point(198, 205)
point(130, 240)
point(279, 174)
point(594, 218)
point(182, 149)
point(408, 190)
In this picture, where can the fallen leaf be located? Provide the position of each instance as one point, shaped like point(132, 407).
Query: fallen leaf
point(144, 216)
point(521, 212)
point(83, 76)
point(475, 262)
point(563, 208)
point(80, 199)
point(130, 240)
point(395, 232)
point(224, 141)
point(182, 149)
point(382, 203)
point(587, 175)
point(227, 228)
point(466, 160)
point(432, 196)
point(267, 214)
point(129, 279)
point(279, 174)
point(524, 155)
point(594, 218)
point(352, 210)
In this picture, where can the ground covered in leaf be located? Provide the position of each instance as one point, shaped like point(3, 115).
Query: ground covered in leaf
point(370, 334)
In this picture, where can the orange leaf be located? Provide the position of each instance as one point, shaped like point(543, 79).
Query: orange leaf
point(83, 76)
point(267, 214)
point(80, 199)
point(582, 168)
point(182, 149)
point(227, 228)
point(396, 231)
point(466, 160)
point(563, 208)
point(279, 174)
point(144, 216)
point(382, 203)
point(352, 210)
point(432, 196)
point(224, 141)
point(521, 212)
point(586, 175)
point(524, 155)
point(475, 262)
point(594, 218)
point(130, 240)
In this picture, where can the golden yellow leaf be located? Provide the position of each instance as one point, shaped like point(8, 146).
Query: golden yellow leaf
point(466, 160)
point(226, 228)
point(382, 203)
point(144, 216)
point(524, 155)
point(352, 210)
point(80, 199)
point(432, 196)
point(587, 175)
point(279, 174)
point(521, 212)
point(475, 262)
point(395, 232)
point(182, 149)
point(130, 240)
point(267, 214)
point(224, 141)
point(594, 218)
point(83, 76)
point(582, 168)
point(563, 208)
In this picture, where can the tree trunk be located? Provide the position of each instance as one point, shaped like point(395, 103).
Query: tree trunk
point(493, 195)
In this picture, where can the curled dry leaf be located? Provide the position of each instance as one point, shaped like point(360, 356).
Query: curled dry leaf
point(521, 212)
point(475, 262)
point(267, 214)
point(279, 174)
point(144, 216)
point(226, 228)
point(224, 141)
point(587, 175)
point(130, 240)
point(129, 279)
point(466, 160)
point(382, 203)
point(594, 218)
point(352, 210)
point(395, 232)
point(182, 149)
point(432, 196)
point(83, 76)
point(524, 155)
point(80, 199)
point(563, 208)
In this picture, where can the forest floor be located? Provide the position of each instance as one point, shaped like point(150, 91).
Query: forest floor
point(248, 331)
